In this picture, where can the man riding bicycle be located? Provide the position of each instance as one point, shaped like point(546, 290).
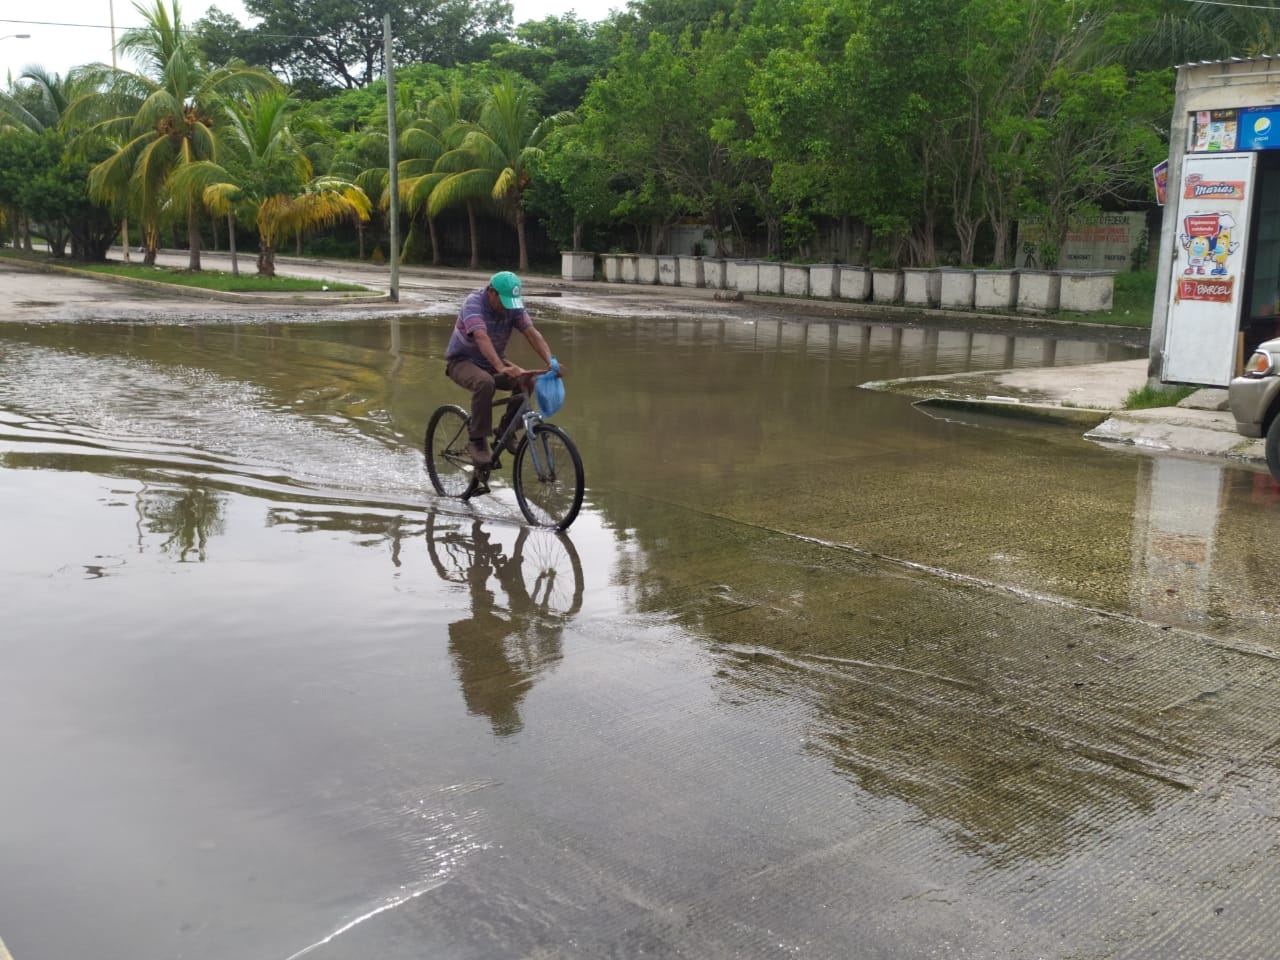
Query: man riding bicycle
point(475, 357)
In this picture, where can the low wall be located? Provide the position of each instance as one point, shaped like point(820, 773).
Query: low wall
point(744, 276)
point(951, 288)
point(770, 277)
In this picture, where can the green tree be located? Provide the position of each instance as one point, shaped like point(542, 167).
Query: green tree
point(559, 55)
point(642, 118)
point(674, 18)
point(1081, 156)
point(269, 177)
point(162, 117)
point(438, 128)
point(46, 181)
point(572, 194)
point(321, 44)
point(496, 156)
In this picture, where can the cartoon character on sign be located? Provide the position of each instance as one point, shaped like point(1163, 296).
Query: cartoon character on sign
point(1200, 231)
point(1197, 251)
point(1223, 247)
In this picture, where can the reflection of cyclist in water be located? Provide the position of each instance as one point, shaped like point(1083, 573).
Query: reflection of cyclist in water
point(499, 657)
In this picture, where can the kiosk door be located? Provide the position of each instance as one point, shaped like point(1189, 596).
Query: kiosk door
point(1214, 199)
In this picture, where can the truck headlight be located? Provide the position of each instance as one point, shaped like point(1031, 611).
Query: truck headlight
point(1259, 365)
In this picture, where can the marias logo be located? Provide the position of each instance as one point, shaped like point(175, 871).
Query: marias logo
point(1197, 186)
point(1215, 189)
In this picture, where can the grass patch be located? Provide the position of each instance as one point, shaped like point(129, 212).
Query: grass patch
point(218, 280)
point(1147, 397)
point(1131, 304)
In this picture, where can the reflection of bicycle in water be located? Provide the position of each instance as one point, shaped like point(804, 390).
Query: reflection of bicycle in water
point(502, 647)
point(543, 565)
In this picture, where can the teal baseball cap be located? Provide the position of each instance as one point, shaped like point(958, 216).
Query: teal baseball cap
point(508, 286)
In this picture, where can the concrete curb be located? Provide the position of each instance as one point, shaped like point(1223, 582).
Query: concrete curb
point(318, 298)
point(1090, 397)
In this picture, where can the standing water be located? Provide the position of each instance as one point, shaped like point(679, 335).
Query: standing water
point(813, 674)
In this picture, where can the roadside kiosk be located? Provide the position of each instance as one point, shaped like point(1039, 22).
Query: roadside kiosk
point(1220, 239)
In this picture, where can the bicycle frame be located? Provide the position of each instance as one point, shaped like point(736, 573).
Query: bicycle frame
point(525, 417)
point(528, 418)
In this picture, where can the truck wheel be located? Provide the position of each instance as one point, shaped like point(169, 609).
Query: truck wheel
point(1273, 447)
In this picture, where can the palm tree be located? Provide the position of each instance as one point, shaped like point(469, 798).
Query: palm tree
point(269, 177)
point(424, 141)
point(163, 117)
point(355, 159)
point(41, 104)
point(495, 155)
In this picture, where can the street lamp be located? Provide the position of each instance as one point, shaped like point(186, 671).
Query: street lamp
point(16, 36)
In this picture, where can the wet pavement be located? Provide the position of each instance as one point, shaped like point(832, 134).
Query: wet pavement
point(816, 673)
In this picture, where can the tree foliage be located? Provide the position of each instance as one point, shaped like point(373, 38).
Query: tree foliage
point(904, 131)
point(322, 44)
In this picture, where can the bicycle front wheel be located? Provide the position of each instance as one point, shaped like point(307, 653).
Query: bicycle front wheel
point(448, 462)
point(548, 477)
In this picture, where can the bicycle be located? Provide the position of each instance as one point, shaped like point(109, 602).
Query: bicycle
point(547, 471)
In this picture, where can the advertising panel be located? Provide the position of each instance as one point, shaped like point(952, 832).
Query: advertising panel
point(1214, 131)
point(1208, 277)
point(1259, 128)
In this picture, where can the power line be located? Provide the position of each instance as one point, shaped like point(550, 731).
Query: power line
point(1242, 6)
point(107, 26)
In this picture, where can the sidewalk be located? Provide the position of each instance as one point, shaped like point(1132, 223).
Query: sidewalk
point(1092, 396)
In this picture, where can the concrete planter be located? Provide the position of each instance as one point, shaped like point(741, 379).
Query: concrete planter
point(715, 273)
point(669, 271)
point(611, 266)
point(956, 291)
point(646, 268)
point(744, 276)
point(922, 286)
point(576, 265)
point(691, 274)
point(795, 279)
point(886, 285)
point(995, 289)
point(1090, 291)
point(855, 283)
point(824, 280)
point(629, 268)
point(1038, 291)
point(770, 277)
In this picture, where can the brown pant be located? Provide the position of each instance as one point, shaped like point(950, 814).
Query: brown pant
point(481, 383)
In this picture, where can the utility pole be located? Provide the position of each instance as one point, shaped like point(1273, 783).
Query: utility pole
point(124, 221)
point(393, 213)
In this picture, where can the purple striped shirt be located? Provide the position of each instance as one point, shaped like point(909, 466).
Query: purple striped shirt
point(477, 314)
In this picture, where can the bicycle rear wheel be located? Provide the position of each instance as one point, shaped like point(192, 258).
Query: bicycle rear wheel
point(548, 477)
point(448, 462)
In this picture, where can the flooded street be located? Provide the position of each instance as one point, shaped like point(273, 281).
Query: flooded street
point(813, 674)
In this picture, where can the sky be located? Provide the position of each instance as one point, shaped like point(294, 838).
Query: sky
point(68, 33)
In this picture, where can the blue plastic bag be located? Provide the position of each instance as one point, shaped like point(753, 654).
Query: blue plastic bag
point(549, 389)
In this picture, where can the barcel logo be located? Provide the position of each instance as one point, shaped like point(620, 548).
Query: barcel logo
point(1214, 291)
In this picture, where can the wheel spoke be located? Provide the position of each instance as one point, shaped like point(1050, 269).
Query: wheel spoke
point(548, 478)
point(448, 462)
